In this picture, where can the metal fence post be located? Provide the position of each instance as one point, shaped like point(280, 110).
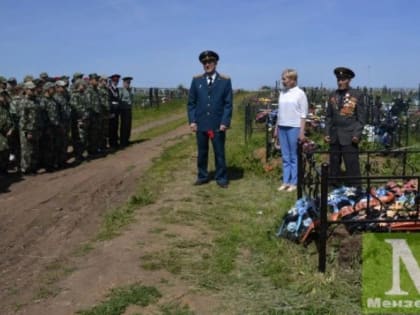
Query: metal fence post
point(322, 250)
point(300, 174)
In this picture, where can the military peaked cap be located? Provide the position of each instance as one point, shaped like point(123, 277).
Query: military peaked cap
point(208, 55)
point(344, 73)
point(115, 76)
point(127, 78)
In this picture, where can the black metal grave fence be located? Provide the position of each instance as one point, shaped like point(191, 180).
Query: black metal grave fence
point(314, 182)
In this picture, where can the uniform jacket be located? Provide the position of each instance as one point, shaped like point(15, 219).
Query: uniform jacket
point(6, 124)
point(114, 98)
point(93, 100)
point(30, 116)
point(126, 97)
point(345, 116)
point(210, 106)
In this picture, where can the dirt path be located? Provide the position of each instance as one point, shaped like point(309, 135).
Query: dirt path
point(45, 217)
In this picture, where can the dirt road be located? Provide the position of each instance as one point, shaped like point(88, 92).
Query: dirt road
point(43, 218)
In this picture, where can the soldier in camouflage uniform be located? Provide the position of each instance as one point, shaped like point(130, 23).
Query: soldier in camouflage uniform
point(6, 130)
point(3, 88)
point(30, 124)
point(54, 131)
point(65, 120)
point(44, 77)
point(104, 116)
point(14, 140)
point(74, 125)
point(94, 109)
point(79, 110)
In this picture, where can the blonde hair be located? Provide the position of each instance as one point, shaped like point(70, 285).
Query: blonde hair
point(290, 73)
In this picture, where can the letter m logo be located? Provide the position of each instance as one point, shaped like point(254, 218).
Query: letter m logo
point(401, 253)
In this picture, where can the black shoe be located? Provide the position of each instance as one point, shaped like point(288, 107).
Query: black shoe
point(199, 182)
point(223, 185)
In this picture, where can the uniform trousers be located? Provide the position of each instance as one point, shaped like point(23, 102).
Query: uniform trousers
point(125, 127)
point(350, 155)
point(217, 139)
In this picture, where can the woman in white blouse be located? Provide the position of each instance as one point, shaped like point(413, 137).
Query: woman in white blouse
point(293, 108)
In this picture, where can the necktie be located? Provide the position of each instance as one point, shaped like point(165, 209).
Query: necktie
point(210, 81)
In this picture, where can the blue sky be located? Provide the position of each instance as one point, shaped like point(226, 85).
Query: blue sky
point(158, 41)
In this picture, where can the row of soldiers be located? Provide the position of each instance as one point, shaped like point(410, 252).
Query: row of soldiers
point(41, 118)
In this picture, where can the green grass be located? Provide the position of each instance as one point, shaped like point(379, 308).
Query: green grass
point(159, 130)
point(120, 298)
point(175, 309)
point(239, 258)
point(143, 115)
point(117, 218)
point(234, 255)
point(84, 249)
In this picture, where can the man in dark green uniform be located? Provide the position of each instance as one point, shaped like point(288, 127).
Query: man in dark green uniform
point(344, 122)
point(126, 104)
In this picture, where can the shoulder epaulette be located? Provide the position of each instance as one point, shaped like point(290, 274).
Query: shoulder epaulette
point(198, 76)
point(224, 77)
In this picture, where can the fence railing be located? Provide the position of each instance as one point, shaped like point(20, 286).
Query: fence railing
point(314, 181)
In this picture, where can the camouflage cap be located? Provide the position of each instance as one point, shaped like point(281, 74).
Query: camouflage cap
point(43, 75)
point(48, 85)
point(77, 75)
point(64, 78)
point(38, 82)
point(29, 85)
point(27, 78)
point(93, 76)
point(3, 79)
point(60, 83)
point(104, 77)
point(80, 82)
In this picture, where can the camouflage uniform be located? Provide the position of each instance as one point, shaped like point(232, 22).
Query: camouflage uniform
point(14, 140)
point(80, 114)
point(94, 109)
point(104, 116)
point(30, 124)
point(65, 122)
point(6, 124)
point(50, 145)
point(74, 125)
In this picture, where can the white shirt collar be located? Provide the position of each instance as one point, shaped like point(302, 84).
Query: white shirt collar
point(213, 77)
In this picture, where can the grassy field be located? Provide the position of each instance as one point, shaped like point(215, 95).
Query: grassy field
point(238, 260)
point(142, 115)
